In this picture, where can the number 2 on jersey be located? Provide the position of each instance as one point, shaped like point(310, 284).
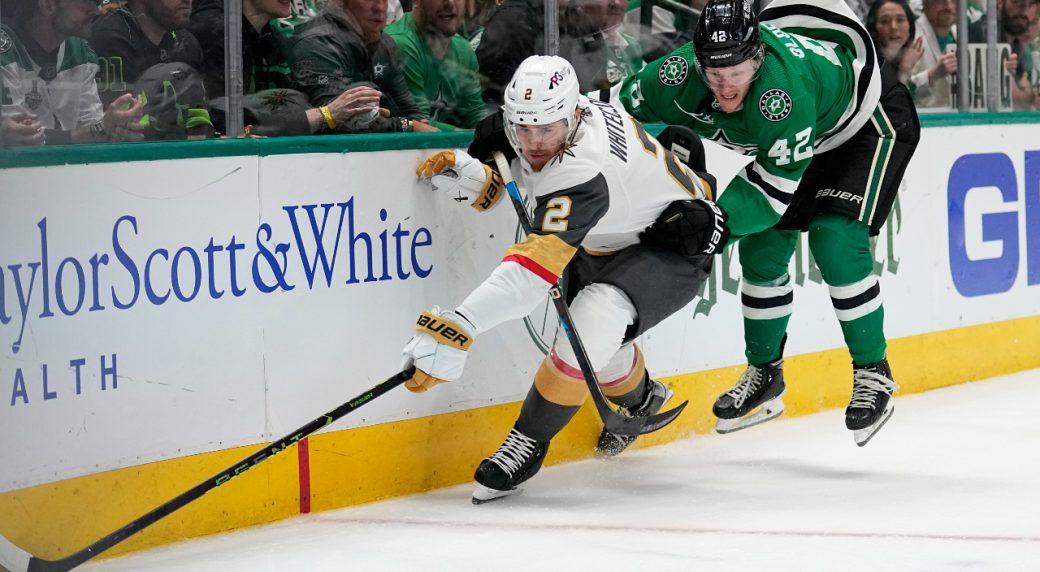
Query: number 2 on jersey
point(556, 212)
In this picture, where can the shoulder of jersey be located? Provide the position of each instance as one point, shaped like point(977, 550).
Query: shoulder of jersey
point(676, 69)
point(776, 91)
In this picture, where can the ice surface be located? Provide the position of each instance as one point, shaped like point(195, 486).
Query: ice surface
point(950, 484)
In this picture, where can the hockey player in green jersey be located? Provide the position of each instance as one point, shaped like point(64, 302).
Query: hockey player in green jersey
point(801, 89)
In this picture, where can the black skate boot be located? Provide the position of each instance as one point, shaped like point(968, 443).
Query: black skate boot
point(756, 398)
point(610, 444)
point(504, 473)
point(870, 408)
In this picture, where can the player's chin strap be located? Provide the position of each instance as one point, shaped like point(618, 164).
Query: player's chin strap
point(612, 420)
point(15, 559)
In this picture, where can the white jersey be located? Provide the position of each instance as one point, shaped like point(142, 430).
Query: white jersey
point(639, 179)
point(607, 185)
point(64, 96)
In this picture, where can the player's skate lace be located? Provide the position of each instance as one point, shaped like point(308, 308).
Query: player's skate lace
point(748, 383)
point(516, 449)
point(865, 387)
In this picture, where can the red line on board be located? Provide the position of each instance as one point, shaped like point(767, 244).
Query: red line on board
point(304, 453)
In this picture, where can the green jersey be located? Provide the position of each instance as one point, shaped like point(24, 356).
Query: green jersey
point(447, 90)
point(818, 84)
point(62, 93)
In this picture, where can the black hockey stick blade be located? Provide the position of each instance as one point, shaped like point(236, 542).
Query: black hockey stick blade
point(632, 426)
point(15, 559)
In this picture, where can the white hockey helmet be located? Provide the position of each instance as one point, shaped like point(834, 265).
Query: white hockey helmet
point(543, 90)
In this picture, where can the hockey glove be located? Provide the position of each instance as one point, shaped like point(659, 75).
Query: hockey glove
point(438, 349)
point(463, 178)
point(690, 228)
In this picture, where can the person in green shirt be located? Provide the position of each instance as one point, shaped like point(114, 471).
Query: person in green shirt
point(439, 65)
point(831, 135)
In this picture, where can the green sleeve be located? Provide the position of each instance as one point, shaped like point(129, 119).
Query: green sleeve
point(413, 70)
point(667, 90)
point(471, 99)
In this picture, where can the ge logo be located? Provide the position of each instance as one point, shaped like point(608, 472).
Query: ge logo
point(775, 105)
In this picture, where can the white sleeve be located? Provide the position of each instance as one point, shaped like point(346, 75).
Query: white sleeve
point(510, 293)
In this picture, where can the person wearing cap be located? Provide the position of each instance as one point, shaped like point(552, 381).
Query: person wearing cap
point(47, 88)
point(799, 89)
point(134, 35)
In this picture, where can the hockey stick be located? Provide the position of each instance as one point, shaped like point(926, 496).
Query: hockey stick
point(612, 420)
point(15, 559)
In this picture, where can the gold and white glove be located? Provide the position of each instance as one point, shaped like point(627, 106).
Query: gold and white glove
point(463, 178)
point(438, 349)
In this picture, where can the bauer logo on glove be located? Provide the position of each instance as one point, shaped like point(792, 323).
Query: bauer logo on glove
point(690, 228)
point(462, 177)
point(438, 349)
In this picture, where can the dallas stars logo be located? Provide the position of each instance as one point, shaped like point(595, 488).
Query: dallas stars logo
point(5, 42)
point(775, 105)
point(673, 70)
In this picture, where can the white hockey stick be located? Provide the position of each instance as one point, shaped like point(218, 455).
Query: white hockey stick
point(12, 558)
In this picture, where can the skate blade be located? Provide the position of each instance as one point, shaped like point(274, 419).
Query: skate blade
point(765, 412)
point(484, 494)
point(863, 436)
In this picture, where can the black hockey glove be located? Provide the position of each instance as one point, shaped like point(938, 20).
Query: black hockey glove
point(490, 136)
point(690, 228)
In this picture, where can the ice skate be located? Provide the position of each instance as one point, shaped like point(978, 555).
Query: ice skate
point(504, 473)
point(610, 444)
point(756, 398)
point(871, 406)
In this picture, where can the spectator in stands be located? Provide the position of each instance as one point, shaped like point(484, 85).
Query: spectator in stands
point(668, 30)
point(1017, 27)
point(1013, 28)
point(271, 107)
point(47, 90)
point(475, 16)
point(138, 34)
point(1031, 57)
point(861, 8)
point(439, 65)
point(514, 32)
point(891, 25)
point(592, 40)
point(345, 46)
point(929, 79)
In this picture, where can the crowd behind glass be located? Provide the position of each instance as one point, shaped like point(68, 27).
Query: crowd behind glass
point(80, 71)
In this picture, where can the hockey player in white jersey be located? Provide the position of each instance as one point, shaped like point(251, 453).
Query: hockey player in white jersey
point(598, 182)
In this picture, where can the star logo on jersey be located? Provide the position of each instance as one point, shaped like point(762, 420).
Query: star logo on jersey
point(673, 71)
point(378, 70)
point(5, 42)
point(775, 105)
